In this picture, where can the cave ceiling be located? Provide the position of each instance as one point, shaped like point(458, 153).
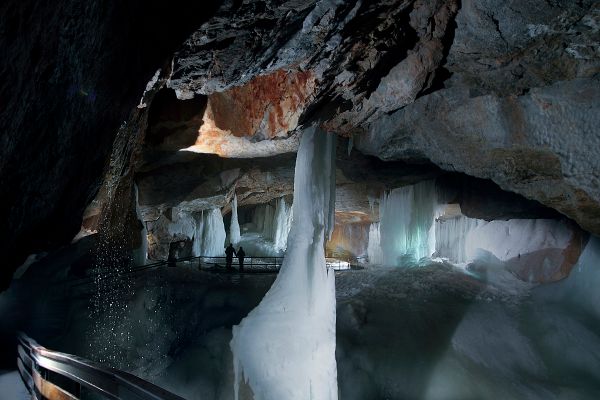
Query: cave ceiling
point(500, 90)
point(505, 90)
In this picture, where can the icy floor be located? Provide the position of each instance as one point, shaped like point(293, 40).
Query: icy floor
point(433, 332)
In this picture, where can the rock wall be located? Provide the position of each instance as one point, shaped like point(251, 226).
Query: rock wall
point(72, 73)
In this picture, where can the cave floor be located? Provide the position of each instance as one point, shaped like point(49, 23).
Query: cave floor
point(432, 332)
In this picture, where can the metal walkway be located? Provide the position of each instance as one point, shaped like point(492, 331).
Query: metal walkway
point(51, 375)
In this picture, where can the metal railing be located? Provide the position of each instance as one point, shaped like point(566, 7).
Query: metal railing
point(53, 375)
point(218, 264)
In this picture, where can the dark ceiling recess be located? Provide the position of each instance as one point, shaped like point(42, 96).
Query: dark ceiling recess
point(72, 71)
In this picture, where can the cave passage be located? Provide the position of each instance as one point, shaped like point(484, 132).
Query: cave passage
point(300, 199)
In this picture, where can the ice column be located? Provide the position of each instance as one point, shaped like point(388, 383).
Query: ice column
point(234, 226)
point(213, 235)
point(197, 244)
point(285, 347)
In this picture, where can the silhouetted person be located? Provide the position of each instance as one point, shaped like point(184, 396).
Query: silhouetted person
point(229, 252)
point(240, 255)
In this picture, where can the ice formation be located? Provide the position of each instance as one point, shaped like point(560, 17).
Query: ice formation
point(273, 224)
point(413, 224)
point(213, 234)
point(509, 239)
point(198, 234)
point(234, 226)
point(451, 237)
point(406, 218)
point(374, 247)
point(285, 347)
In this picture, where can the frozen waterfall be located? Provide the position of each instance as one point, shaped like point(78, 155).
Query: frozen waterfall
point(234, 226)
point(285, 347)
point(273, 223)
point(406, 217)
point(213, 233)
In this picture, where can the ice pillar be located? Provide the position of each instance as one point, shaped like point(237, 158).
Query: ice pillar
point(213, 235)
point(234, 226)
point(285, 347)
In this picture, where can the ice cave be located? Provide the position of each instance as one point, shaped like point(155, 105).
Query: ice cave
point(300, 200)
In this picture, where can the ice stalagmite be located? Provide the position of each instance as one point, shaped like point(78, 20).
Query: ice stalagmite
point(285, 347)
point(234, 227)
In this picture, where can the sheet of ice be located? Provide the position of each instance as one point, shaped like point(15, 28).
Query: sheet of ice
point(283, 223)
point(234, 226)
point(285, 347)
point(374, 246)
point(451, 237)
point(197, 244)
point(508, 239)
point(213, 234)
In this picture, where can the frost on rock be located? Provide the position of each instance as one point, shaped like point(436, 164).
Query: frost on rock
point(285, 347)
point(234, 227)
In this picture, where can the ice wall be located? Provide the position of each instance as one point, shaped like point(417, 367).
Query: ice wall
point(213, 233)
point(451, 237)
point(285, 348)
point(234, 226)
point(509, 239)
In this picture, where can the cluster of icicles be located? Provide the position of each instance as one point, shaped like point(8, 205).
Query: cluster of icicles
point(414, 223)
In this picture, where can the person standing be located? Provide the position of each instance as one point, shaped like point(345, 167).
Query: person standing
point(229, 253)
point(240, 255)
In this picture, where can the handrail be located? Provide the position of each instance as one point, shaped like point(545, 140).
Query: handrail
point(34, 362)
point(334, 263)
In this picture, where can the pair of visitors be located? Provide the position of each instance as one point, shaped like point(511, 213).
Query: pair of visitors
point(230, 252)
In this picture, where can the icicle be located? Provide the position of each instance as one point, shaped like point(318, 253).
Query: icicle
point(234, 226)
point(285, 347)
